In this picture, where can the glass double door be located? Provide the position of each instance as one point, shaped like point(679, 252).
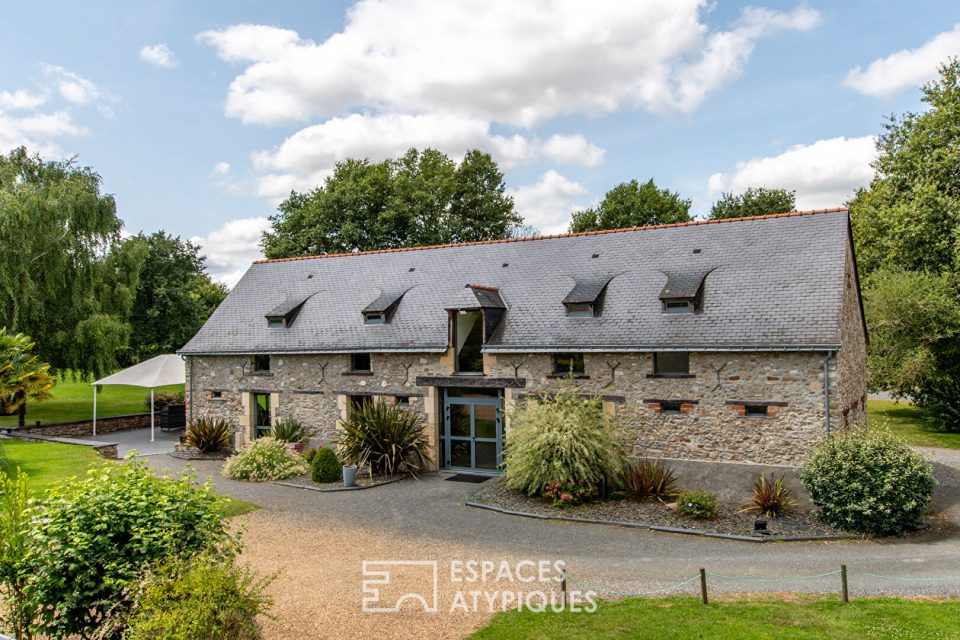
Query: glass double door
point(472, 436)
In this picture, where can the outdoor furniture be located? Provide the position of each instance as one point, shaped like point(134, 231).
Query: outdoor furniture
point(173, 417)
point(160, 371)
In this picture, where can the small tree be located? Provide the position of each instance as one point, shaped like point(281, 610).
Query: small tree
point(22, 376)
point(631, 204)
point(753, 202)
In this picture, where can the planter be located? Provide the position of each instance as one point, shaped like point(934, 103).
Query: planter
point(294, 447)
point(349, 475)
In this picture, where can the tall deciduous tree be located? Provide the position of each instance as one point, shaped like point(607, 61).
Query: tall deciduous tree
point(55, 224)
point(755, 201)
point(631, 204)
point(420, 198)
point(907, 232)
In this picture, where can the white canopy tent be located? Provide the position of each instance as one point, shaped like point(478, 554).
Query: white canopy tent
point(155, 372)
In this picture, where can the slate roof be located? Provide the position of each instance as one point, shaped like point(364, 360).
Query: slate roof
point(774, 283)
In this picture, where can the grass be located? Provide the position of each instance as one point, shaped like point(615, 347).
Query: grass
point(788, 618)
point(47, 463)
point(74, 401)
point(906, 421)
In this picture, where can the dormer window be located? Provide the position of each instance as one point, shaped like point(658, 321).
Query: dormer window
point(678, 306)
point(374, 318)
point(579, 310)
point(283, 315)
point(683, 292)
point(381, 310)
point(586, 298)
point(276, 322)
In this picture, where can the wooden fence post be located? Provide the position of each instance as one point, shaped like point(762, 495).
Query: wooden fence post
point(843, 583)
point(703, 585)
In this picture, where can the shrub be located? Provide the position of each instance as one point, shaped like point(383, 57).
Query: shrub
point(164, 399)
point(390, 439)
point(771, 499)
point(265, 459)
point(205, 597)
point(17, 613)
point(566, 438)
point(701, 505)
point(568, 494)
point(647, 479)
point(95, 536)
point(325, 467)
point(209, 434)
point(869, 482)
point(309, 454)
point(291, 430)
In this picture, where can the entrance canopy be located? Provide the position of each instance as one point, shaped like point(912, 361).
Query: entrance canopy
point(156, 372)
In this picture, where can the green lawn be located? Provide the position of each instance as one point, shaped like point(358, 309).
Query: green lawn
point(47, 463)
point(74, 401)
point(794, 617)
point(904, 419)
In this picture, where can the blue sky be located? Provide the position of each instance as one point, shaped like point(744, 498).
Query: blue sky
point(200, 116)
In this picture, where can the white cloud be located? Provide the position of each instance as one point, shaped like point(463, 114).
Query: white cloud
point(222, 176)
point(305, 158)
point(905, 68)
point(72, 86)
point(159, 55)
point(514, 63)
point(38, 132)
point(825, 174)
point(548, 203)
point(21, 99)
point(231, 248)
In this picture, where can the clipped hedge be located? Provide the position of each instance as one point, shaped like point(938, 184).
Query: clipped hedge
point(325, 467)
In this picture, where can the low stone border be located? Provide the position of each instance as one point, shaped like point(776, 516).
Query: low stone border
point(189, 455)
point(359, 487)
point(106, 449)
point(652, 527)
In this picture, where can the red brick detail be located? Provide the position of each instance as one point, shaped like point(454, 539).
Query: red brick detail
point(773, 410)
point(686, 408)
point(733, 378)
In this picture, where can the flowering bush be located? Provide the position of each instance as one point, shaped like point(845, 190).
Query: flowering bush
point(567, 494)
point(869, 481)
point(701, 505)
point(265, 459)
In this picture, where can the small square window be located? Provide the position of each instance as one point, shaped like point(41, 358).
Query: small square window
point(261, 362)
point(374, 318)
point(670, 408)
point(671, 363)
point(402, 401)
point(360, 362)
point(756, 411)
point(216, 395)
point(580, 310)
point(565, 364)
point(356, 403)
point(677, 306)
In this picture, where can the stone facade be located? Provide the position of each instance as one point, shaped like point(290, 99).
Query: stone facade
point(756, 407)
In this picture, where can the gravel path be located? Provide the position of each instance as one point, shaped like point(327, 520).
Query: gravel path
point(318, 542)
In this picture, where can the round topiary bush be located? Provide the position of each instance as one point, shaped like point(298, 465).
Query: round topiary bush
point(265, 459)
point(325, 467)
point(563, 439)
point(869, 482)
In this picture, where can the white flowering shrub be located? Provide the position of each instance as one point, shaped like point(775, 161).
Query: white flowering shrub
point(869, 482)
point(565, 439)
point(263, 460)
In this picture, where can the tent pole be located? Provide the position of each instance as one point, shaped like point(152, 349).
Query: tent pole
point(94, 409)
point(152, 412)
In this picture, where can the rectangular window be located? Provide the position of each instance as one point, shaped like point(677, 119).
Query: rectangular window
point(402, 401)
point(670, 408)
point(374, 318)
point(357, 403)
point(276, 322)
point(216, 395)
point(468, 341)
point(755, 411)
point(677, 306)
point(579, 310)
point(360, 362)
point(261, 363)
point(566, 364)
point(671, 363)
point(262, 418)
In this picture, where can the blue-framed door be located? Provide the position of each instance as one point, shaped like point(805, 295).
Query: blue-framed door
point(472, 435)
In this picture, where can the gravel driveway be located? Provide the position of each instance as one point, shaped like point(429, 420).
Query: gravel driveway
point(318, 542)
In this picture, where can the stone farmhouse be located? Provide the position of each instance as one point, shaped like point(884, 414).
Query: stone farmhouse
point(733, 340)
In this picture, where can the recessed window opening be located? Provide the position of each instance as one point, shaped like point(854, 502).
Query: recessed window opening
point(671, 363)
point(360, 362)
point(468, 341)
point(276, 322)
point(677, 306)
point(579, 310)
point(261, 363)
point(374, 318)
point(216, 395)
point(756, 411)
point(402, 401)
point(670, 408)
point(568, 364)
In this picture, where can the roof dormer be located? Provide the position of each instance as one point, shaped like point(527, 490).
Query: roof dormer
point(683, 292)
point(585, 300)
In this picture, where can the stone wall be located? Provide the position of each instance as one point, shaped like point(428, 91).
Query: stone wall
point(85, 427)
point(850, 405)
point(713, 426)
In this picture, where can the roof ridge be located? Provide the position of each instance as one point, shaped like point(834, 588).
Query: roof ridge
point(692, 223)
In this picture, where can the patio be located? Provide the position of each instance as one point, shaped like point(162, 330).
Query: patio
point(139, 440)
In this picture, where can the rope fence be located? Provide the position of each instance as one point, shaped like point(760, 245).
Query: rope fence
point(703, 575)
